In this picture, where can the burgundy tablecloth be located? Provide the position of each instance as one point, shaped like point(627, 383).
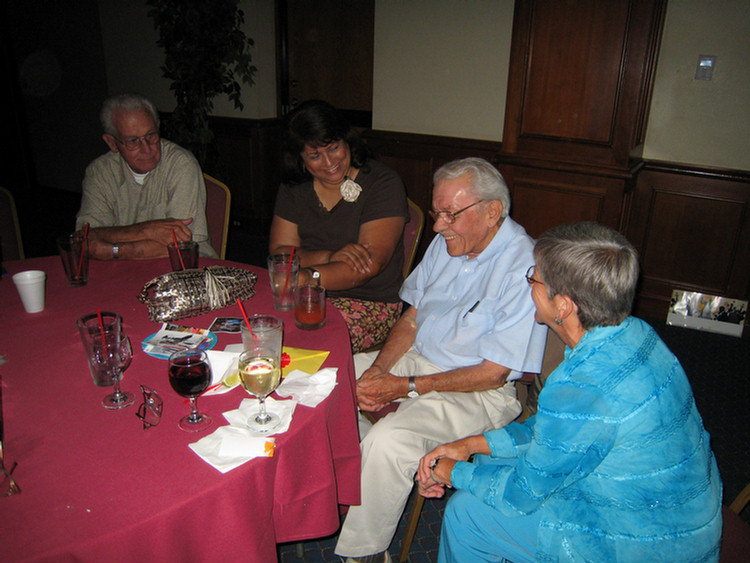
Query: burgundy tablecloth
point(97, 487)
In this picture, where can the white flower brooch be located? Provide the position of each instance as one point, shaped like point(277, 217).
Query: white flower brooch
point(350, 190)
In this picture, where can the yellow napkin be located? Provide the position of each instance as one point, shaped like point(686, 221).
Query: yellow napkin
point(308, 361)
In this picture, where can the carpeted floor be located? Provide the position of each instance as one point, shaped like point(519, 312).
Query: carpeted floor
point(719, 371)
point(718, 368)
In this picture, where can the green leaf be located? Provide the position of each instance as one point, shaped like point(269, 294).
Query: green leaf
point(206, 54)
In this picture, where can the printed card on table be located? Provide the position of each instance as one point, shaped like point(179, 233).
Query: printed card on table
point(172, 338)
point(226, 324)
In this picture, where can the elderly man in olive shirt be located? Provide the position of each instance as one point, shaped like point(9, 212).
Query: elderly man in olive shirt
point(142, 191)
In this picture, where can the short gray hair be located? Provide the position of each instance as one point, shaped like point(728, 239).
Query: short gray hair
point(595, 265)
point(128, 103)
point(488, 184)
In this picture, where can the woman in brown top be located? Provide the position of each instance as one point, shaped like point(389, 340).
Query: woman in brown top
point(344, 213)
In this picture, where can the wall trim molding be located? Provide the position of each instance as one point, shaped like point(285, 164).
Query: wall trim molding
point(460, 143)
point(726, 174)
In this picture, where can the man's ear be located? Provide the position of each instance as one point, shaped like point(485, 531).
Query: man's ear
point(110, 140)
point(495, 210)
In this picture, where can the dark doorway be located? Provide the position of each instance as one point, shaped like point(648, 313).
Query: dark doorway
point(326, 51)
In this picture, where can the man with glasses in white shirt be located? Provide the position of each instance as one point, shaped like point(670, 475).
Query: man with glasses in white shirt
point(453, 354)
point(145, 191)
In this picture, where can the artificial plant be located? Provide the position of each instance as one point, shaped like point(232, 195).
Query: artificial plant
point(206, 54)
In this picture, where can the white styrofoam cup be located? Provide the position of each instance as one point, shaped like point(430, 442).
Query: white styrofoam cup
point(31, 287)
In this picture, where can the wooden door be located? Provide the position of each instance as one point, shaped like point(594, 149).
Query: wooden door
point(580, 79)
point(326, 52)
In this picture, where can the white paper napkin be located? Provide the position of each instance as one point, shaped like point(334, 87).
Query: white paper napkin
point(230, 446)
point(308, 389)
point(222, 365)
point(249, 408)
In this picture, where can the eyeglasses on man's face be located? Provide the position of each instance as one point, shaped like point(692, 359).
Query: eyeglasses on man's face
point(450, 216)
point(134, 143)
point(530, 276)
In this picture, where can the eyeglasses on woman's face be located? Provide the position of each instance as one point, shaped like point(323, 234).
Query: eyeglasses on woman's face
point(450, 216)
point(333, 150)
point(530, 276)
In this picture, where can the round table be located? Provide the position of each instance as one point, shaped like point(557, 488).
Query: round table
point(97, 487)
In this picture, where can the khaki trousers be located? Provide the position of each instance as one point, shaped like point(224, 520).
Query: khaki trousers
point(391, 450)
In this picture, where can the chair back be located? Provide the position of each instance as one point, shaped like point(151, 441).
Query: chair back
point(412, 235)
point(11, 247)
point(530, 384)
point(735, 537)
point(218, 204)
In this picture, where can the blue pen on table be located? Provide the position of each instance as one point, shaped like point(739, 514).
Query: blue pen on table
point(474, 306)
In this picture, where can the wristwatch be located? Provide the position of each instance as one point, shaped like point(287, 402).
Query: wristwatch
point(315, 274)
point(116, 251)
point(413, 393)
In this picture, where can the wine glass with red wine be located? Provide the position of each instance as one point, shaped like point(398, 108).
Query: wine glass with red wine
point(189, 376)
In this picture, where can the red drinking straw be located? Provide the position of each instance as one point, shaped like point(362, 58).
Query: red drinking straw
point(247, 321)
point(83, 248)
point(101, 322)
point(288, 270)
point(177, 246)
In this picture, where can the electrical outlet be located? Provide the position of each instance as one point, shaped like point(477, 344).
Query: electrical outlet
point(705, 70)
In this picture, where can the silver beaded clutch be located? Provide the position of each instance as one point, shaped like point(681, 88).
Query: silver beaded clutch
point(189, 293)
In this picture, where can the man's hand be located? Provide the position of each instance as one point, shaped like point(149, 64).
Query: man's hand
point(376, 388)
point(160, 230)
point(139, 241)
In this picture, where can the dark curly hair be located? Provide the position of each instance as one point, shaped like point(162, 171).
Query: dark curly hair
point(317, 123)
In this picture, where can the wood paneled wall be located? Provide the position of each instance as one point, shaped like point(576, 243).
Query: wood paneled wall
point(416, 157)
point(547, 193)
point(692, 228)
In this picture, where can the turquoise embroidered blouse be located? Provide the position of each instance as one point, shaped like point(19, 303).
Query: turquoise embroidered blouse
point(617, 456)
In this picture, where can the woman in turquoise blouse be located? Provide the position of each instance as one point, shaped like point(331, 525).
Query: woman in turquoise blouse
point(616, 464)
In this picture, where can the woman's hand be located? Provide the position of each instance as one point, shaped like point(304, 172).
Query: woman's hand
point(434, 472)
point(438, 479)
point(457, 451)
point(350, 266)
point(355, 255)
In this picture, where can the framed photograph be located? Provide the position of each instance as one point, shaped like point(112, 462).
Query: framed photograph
point(701, 311)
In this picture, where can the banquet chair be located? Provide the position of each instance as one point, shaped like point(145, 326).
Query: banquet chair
point(735, 533)
point(218, 203)
point(412, 235)
point(11, 247)
point(553, 355)
point(530, 384)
